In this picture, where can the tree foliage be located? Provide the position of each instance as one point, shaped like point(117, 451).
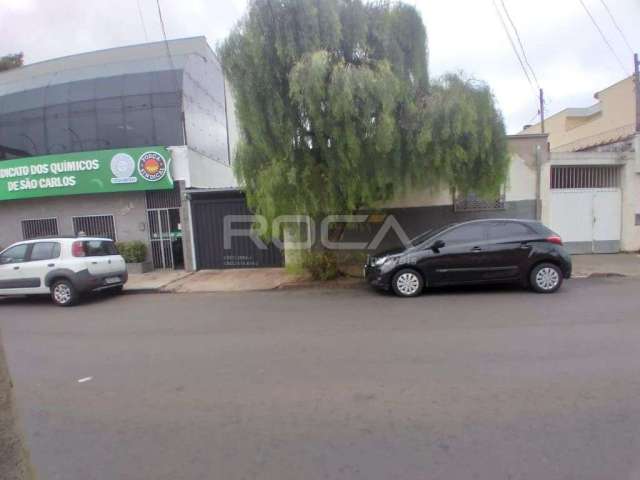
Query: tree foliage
point(337, 111)
point(11, 61)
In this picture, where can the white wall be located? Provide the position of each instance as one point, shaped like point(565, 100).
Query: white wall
point(198, 171)
point(521, 180)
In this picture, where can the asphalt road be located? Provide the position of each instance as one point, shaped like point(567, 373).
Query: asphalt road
point(344, 384)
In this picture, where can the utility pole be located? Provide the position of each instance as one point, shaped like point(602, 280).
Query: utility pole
point(542, 110)
point(636, 82)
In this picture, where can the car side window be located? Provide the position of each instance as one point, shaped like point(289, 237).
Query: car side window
point(504, 230)
point(17, 254)
point(472, 233)
point(45, 251)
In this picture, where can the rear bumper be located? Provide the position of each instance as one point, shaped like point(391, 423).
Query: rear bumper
point(86, 282)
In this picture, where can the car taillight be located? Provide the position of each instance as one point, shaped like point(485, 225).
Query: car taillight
point(555, 239)
point(77, 249)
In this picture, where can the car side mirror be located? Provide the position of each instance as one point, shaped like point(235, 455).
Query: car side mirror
point(437, 245)
point(4, 260)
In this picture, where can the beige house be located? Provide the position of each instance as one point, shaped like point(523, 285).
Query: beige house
point(590, 187)
point(612, 119)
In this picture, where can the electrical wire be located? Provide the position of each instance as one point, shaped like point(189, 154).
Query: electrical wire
point(524, 54)
point(624, 37)
point(166, 44)
point(604, 38)
point(144, 28)
point(515, 49)
point(164, 35)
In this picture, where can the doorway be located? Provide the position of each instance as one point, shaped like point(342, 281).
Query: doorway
point(165, 228)
point(166, 238)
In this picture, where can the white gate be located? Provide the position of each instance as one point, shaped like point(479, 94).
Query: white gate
point(588, 220)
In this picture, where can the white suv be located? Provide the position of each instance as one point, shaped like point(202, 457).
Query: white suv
point(62, 267)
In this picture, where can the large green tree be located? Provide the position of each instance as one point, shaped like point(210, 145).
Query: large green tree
point(337, 111)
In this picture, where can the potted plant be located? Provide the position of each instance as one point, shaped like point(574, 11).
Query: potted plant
point(135, 254)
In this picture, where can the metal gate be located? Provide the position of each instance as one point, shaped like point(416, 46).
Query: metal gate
point(589, 221)
point(208, 213)
point(165, 230)
point(166, 237)
point(586, 207)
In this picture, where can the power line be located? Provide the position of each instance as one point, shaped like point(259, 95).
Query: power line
point(624, 37)
point(604, 38)
point(144, 28)
point(164, 35)
point(524, 54)
point(513, 46)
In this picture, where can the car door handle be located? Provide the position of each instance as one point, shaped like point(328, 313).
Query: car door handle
point(476, 249)
point(16, 268)
point(524, 246)
point(51, 265)
point(94, 263)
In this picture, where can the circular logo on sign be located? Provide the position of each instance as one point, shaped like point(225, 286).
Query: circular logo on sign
point(122, 165)
point(152, 166)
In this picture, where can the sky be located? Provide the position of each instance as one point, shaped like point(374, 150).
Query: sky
point(567, 54)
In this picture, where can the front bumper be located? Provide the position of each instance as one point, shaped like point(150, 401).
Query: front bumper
point(376, 278)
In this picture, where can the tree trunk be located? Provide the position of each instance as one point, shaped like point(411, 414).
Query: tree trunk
point(14, 458)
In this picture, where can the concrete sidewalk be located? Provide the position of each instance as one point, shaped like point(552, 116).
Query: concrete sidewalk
point(153, 281)
point(619, 264)
point(228, 280)
point(256, 279)
point(234, 280)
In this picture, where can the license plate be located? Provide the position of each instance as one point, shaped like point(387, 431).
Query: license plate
point(112, 280)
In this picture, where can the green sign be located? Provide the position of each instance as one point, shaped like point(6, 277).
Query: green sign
point(102, 171)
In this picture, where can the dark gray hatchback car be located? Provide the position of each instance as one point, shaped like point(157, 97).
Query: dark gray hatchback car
point(479, 251)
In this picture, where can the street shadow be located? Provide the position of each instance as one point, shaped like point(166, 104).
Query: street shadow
point(45, 300)
point(467, 290)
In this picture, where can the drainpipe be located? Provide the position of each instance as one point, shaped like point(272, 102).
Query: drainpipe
point(538, 186)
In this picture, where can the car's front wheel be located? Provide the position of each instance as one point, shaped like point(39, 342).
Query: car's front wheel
point(63, 293)
point(407, 283)
point(545, 278)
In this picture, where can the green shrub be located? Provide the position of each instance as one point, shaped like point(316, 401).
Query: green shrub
point(133, 252)
point(321, 265)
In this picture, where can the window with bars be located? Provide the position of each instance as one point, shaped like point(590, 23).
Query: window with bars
point(474, 203)
point(40, 227)
point(569, 176)
point(102, 226)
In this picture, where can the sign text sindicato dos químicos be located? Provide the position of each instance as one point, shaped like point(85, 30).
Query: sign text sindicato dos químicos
point(24, 174)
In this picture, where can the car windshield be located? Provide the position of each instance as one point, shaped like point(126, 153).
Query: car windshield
point(423, 237)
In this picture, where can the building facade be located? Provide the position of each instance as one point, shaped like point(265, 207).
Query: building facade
point(591, 185)
point(609, 121)
point(109, 143)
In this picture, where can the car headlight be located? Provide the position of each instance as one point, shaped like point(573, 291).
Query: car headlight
point(381, 261)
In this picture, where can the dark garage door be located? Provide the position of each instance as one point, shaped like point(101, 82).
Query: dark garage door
point(208, 211)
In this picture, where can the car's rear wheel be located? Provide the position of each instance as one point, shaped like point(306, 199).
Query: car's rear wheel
point(407, 283)
point(545, 278)
point(63, 293)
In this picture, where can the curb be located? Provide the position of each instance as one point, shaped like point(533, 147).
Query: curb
point(320, 284)
point(606, 275)
point(600, 275)
point(139, 291)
